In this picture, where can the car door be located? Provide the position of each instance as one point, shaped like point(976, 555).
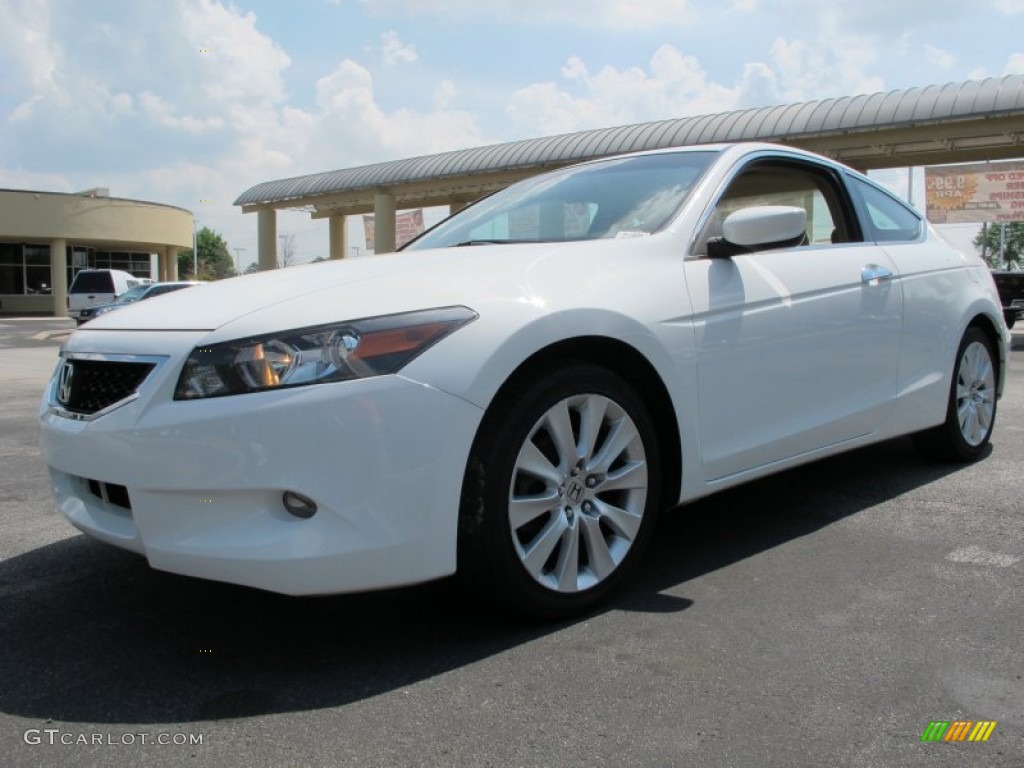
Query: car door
point(797, 347)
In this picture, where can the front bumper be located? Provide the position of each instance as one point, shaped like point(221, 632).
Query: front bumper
point(196, 486)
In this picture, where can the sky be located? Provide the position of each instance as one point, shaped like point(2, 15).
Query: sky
point(191, 102)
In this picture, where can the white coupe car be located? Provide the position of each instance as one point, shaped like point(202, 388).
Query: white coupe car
point(519, 392)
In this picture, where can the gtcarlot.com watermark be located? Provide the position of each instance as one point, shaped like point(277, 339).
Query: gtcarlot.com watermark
point(55, 736)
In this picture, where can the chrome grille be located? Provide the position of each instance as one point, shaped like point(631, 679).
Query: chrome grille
point(89, 386)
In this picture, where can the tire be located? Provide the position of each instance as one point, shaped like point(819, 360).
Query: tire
point(971, 407)
point(561, 493)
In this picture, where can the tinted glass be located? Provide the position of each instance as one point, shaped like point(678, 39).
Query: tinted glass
point(93, 282)
point(133, 294)
point(156, 290)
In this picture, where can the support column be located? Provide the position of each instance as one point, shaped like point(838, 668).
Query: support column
point(454, 206)
point(383, 222)
point(339, 237)
point(267, 235)
point(170, 269)
point(59, 276)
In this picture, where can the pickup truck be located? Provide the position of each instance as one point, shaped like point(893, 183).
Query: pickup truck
point(1011, 294)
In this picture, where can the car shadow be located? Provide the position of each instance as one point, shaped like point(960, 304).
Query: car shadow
point(92, 634)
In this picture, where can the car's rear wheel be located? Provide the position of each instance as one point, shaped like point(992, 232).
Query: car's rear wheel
point(971, 408)
point(561, 492)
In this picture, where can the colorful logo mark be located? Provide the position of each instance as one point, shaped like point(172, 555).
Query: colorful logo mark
point(958, 730)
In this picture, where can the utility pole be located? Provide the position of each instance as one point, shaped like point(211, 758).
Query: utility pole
point(238, 258)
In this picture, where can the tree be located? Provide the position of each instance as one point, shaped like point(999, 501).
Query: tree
point(215, 260)
point(989, 239)
point(286, 256)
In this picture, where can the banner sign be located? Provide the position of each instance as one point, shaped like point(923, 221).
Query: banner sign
point(975, 193)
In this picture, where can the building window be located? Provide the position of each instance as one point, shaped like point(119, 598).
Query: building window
point(12, 268)
point(37, 269)
point(25, 269)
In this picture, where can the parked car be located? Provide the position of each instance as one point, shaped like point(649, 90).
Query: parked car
point(521, 391)
point(132, 295)
point(1011, 294)
point(99, 286)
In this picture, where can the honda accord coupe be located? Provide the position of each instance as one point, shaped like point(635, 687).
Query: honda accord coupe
point(519, 392)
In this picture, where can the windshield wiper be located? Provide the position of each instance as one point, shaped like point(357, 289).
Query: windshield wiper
point(507, 241)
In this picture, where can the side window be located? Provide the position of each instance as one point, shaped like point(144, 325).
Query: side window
point(887, 218)
point(793, 184)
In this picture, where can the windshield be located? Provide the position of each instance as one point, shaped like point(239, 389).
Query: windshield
point(622, 197)
point(132, 294)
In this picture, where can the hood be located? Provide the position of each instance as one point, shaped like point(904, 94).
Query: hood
point(536, 274)
point(212, 305)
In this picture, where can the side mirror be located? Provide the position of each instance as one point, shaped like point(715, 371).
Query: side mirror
point(758, 228)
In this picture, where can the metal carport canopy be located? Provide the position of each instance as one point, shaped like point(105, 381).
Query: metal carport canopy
point(968, 121)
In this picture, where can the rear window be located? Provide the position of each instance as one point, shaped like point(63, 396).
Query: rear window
point(92, 282)
point(158, 289)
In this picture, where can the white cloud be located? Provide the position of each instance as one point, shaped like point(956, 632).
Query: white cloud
point(444, 95)
point(395, 51)
point(938, 57)
point(101, 102)
point(49, 182)
point(28, 54)
point(1015, 64)
point(674, 84)
point(243, 64)
point(346, 105)
point(820, 70)
point(613, 14)
point(160, 112)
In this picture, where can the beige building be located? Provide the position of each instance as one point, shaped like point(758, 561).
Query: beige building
point(47, 237)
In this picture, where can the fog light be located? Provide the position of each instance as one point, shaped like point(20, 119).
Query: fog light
point(299, 505)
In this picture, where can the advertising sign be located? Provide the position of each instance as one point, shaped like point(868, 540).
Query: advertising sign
point(975, 193)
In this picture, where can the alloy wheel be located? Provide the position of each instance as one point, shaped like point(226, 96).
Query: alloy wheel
point(578, 492)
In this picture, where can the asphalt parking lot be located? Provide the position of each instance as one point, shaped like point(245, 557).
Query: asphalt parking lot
point(822, 617)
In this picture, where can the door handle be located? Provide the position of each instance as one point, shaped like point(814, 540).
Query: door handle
point(873, 274)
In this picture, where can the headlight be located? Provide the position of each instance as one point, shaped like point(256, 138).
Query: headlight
point(337, 352)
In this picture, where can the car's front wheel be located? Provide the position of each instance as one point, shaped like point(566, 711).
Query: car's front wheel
point(971, 408)
point(561, 492)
